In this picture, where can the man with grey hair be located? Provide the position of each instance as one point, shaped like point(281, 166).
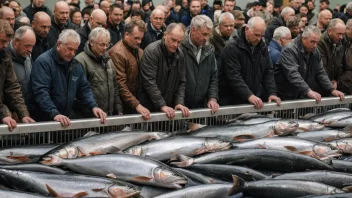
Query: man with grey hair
point(8, 14)
point(98, 68)
point(57, 79)
point(279, 21)
point(324, 18)
point(300, 72)
point(155, 28)
point(332, 50)
point(246, 73)
point(201, 69)
point(162, 74)
point(20, 49)
point(348, 14)
point(281, 38)
point(345, 80)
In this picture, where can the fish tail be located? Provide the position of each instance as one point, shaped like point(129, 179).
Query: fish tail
point(184, 161)
point(237, 186)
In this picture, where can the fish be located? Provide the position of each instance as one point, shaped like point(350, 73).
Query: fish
point(7, 193)
point(113, 142)
point(129, 168)
point(24, 154)
point(168, 148)
point(327, 135)
point(342, 166)
point(240, 133)
point(307, 125)
point(66, 185)
point(345, 195)
point(310, 148)
point(343, 122)
point(152, 191)
point(332, 178)
point(199, 178)
point(258, 158)
point(345, 145)
point(225, 172)
point(251, 118)
point(330, 116)
point(34, 167)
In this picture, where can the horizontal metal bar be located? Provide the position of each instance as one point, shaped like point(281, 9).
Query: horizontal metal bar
point(157, 117)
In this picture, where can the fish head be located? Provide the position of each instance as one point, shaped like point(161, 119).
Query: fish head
point(214, 144)
point(285, 127)
point(67, 152)
point(321, 151)
point(135, 150)
point(169, 177)
point(345, 147)
point(122, 191)
point(317, 126)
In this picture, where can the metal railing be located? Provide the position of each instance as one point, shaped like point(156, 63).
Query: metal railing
point(53, 132)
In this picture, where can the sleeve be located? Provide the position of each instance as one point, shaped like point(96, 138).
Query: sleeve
point(180, 92)
point(213, 89)
point(84, 93)
point(117, 101)
point(323, 79)
point(268, 80)
point(323, 55)
point(4, 111)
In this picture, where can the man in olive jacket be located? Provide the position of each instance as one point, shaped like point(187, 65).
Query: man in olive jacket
point(332, 50)
point(201, 69)
point(100, 74)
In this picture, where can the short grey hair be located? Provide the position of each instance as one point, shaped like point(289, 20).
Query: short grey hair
point(349, 23)
point(349, 7)
point(309, 30)
point(69, 33)
point(333, 23)
point(280, 32)
point(99, 31)
point(200, 21)
point(287, 10)
point(226, 15)
point(172, 26)
point(252, 22)
point(21, 31)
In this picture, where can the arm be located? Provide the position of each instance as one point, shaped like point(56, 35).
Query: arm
point(213, 88)
point(84, 93)
point(117, 101)
point(323, 79)
point(321, 47)
point(180, 92)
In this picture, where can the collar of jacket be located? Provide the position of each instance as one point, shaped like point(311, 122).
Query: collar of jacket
point(274, 44)
point(206, 49)
point(114, 27)
point(58, 60)
point(298, 42)
point(151, 29)
point(61, 27)
point(89, 52)
point(164, 49)
point(129, 48)
point(242, 42)
point(13, 53)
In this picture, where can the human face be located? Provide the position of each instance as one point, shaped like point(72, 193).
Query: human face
point(157, 20)
point(67, 50)
point(134, 39)
point(269, 8)
point(303, 10)
point(255, 35)
point(325, 19)
point(217, 7)
point(13, 5)
point(194, 8)
point(323, 5)
point(38, 3)
point(226, 27)
point(336, 34)
point(185, 3)
point(311, 5)
point(4, 41)
point(25, 46)
point(136, 6)
point(116, 16)
point(173, 39)
point(77, 18)
point(288, 15)
point(200, 36)
point(286, 40)
point(303, 22)
point(105, 7)
point(42, 27)
point(295, 30)
point(146, 7)
point(10, 17)
point(229, 5)
point(203, 3)
point(295, 4)
point(86, 17)
point(61, 14)
point(239, 23)
point(310, 42)
point(100, 45)
point(97, 21)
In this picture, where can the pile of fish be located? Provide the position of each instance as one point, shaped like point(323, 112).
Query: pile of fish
point(251, 156)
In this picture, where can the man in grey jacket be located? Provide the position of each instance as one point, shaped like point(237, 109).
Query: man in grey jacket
point(20, 49)
point(299, 71)
point(201, 69)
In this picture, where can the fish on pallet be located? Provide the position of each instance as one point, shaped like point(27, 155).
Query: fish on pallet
point(7, 193)
point(330, 116)
point(327, 135)
point(199, 178)
point(345, 145)
point(251, 118)
point(34, 168)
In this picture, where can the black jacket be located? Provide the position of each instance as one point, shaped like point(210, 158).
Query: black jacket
point(30, 11)
point(116, 34)
point(293, 80)
point(151, 36)
point(41, 46)
point(275, 23)
point(55, 31)
point(345, 17)
point(83, 33)
point(243, 71)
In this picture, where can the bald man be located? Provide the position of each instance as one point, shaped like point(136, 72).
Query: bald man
point(324, 18)
point(155, 28)
point(59, 22)
point(41, 25)
point(97, 19)
point(8, 14)
point(246, 66)
point(36, 6)
point(105, 6)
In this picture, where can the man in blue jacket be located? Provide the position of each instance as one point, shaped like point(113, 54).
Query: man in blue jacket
point(57, 79)
point(282, 37)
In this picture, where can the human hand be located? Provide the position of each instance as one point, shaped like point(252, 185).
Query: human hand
point(100, 114)
point(11, 123)
point(143, 111)
point(257, 102)
point(65, 121)
point(185, 110)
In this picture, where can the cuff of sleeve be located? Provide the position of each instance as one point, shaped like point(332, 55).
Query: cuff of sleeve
point(134, 104)
point(53, 113)
point(91, 107)
point(160, 104)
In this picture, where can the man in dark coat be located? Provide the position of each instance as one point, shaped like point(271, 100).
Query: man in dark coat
point(155, 28)
point(345, 80)
point(348, 14)
point(115, 23)
point(162, 78)
point(281, 38)
point(245, 67)
point(194, 10)
point(300, 72)
point(277, 22)
point(41, 25)
point(36, 6)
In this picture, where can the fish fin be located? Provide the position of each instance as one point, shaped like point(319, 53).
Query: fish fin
point(308, 116)
point(96, 153)
point(52, 191)
point(80, 194)
point(20, 158)
point(111, 175)
point(237, 186)
point(184, 161)
point(303, 129)
point(291, 148)
point(347, 129)
point(97, 189)
point(242, 138)
point(112, 149)
point(81, 151)
point(347, 189)
point(141, 179)
point(194, 126)
point(270, 135)
point(262, 146)
point(305, 153)
point(127, 129)
point(91, 133)
point(329, 139)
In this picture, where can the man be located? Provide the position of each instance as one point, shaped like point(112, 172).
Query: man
point(300, 72)
point(207, 9)
point(16, 7)
point(115, 23)
point(245, 67)
point(36, 6)
point(293, 24)
point(20, 49)
point(89, 2)
point(96, 19)
point(194, 10)
point(155, 28)
point(170, 15)
point(229, 5)
point(7, 14)
point(277, 22)
point(59, 22)
point(41, 25)
point(9, 87)
point(222, 34)
point(98, 68)
point(57, 80)
point(324, 18)
point(324, 4)
point(126, 56)
point(331, 49)
point(348, 14)
point(345, 80)
point(295, 4)
point(201, 68)
point(105, 6)
point(239, 19)
point(162, 80)
point(282, 37)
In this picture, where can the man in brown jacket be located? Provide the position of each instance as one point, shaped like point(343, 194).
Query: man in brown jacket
point(9, 86)
point(126, 56)
point(332, 50)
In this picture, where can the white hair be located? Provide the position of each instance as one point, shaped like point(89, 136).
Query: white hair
point(226, 15)
point(69, 33)
point(309, 30)
point(349, 7)
point(200, 21)
point(99, 31)
point(280, 32)
point(21, 31)
point(252, 22)
point(287, 10)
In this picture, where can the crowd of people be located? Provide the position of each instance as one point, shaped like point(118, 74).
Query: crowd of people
point(125, 57)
